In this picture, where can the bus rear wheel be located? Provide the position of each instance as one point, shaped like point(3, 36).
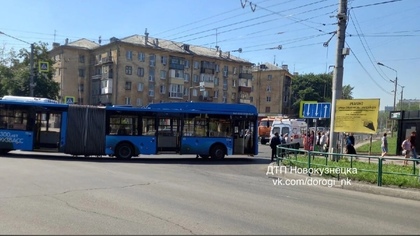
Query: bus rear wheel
point(217, 152)
point(124, 151)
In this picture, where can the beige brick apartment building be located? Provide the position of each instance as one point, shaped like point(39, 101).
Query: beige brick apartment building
point(139, 70)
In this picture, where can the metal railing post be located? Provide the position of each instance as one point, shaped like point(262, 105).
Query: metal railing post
point(380, 172)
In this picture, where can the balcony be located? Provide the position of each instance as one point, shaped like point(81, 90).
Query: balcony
point(205, 98)
point(176, 77)
point(245, 89)
point(96, 77)
point(105, 60)
point(106, 90)
point(245, 76)
point(207, 71)
point(209, 85)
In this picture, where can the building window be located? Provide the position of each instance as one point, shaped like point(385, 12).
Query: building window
point(141, 56)
point(267, 109)
point(82, 58)
point(285, 98)
point(127, 85)
point(251, 99)
point(140, 87)
point(80, 101)
point(234, 83)
point(139, 102)
point(140, 72)
point(162, 89)
point(163, 60)
point(163, 74)
point(128, 70)
point(129, 55)
point(187, 77)
point(196, 65)
point(151, 90)
point(82, 73)
point(81, 87)
point(152, 60)
point(216, 93)
point(176, 91)
point(187, 64)
point(225, 71)
point(127, 101)
point(216, 81)
point(196, 78)
point(217, 68)
point(270, 77)
point(194, 92)
point(233, 96)
point(268, 99)
point(151, 74)
point(268, 89)
point(186, 91)
point(234, 70)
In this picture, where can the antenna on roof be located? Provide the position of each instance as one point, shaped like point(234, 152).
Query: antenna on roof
point(100, 40)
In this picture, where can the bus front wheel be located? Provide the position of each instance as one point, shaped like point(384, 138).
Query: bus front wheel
point(217, 152)
point(124, 151)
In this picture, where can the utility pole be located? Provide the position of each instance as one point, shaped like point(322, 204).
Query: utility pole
point(338, 70)
point(31, 83)
point(402, 96)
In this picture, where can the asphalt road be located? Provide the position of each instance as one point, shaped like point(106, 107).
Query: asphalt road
point(51, 194)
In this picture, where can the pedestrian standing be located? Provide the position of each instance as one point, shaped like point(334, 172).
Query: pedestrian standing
point(350, 144)
point(406, 147)
point(273, 144)
point(384, 145)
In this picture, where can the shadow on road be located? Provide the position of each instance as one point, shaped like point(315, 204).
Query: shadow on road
point(145, 159)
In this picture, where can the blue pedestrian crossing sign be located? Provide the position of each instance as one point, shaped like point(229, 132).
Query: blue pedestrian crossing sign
point(43, 66)
point(69, 99)
point(317, 110)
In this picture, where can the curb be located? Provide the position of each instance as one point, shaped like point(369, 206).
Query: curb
point(411, 194)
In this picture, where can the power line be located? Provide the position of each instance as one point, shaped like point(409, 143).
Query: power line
point(367, 72)
point(375, 4)
point(366, 48)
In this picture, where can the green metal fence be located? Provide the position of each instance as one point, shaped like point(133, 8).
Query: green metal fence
point(363, 163)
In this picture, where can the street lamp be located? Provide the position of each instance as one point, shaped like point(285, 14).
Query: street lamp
point(395, 91)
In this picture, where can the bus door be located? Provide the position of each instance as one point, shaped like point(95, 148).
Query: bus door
point(168, 134)
point(47, 130)
point(243, 136)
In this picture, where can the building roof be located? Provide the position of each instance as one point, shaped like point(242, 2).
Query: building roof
point(179, 47)
point(84, 43)
point(163, 45)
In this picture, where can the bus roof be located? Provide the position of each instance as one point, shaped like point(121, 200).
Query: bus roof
point(206, 107)
point(28, 99)
point(31, 101)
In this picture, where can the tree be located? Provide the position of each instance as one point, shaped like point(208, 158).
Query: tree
point(15, 75)
point(310, 87)
point(347, 92)
point(314, 87)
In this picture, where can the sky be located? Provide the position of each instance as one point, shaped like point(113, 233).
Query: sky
point(297, 33)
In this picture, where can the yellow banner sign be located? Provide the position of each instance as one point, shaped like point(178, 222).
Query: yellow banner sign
point(356, 116)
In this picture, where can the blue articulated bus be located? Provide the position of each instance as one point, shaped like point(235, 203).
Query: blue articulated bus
point(203, 129)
